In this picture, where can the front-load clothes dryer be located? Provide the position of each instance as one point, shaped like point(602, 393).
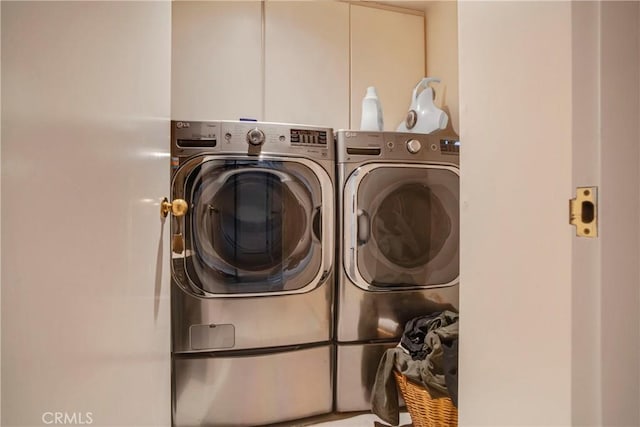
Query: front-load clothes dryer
point(252, 252)
point(399, 226)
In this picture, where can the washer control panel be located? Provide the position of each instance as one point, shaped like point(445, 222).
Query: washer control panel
point(308, 137)
point(252, 138)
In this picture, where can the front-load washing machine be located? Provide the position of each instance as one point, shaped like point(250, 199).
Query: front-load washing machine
point(399, 226)
point(252, 253)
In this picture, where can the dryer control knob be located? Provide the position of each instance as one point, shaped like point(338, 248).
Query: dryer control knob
point(413, 146)
point(255, 137)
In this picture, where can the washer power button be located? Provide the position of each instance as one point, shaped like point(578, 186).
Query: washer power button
point(255, 137)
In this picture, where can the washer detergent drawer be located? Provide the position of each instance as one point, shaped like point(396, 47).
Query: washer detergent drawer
point(252, 390)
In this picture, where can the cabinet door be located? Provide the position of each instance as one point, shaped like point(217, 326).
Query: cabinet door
point(387, 51)
point(216, 62)
point(307, 63)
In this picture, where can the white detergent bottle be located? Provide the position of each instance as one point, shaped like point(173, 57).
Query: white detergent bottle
point(423, 115)
point(371, 111)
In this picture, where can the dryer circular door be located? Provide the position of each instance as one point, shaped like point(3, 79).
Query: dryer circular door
point(402, 225)
point(254, 226)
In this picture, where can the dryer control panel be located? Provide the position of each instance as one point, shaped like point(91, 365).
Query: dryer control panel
point(360, 146)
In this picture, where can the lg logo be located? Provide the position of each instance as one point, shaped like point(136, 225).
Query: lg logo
point(66, 418)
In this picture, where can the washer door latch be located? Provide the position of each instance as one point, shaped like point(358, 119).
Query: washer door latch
point(583, 211)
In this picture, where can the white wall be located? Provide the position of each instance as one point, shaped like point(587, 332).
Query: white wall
point(620, 74)
point(388, 52)
point(441, 29)
point(85, 137)
point(515, 298)
point(441, 47)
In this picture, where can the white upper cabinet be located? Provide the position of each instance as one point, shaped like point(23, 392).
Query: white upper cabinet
point(388, 52)
point(300, 62)
point(216, 61)
point(307, 63)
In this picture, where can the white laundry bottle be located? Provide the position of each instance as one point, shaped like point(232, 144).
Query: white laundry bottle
point(371, 118)
point(423, 115)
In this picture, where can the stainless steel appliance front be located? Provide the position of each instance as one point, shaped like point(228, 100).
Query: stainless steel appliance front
point(260, 389)
point(398, 201)
point(257, 228)
point(252, 257)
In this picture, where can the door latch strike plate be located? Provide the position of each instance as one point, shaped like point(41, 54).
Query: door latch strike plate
point(583, 211)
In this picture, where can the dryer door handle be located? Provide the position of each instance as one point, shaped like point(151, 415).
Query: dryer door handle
point(228, 174)
point(316, 223)
point(364, 226)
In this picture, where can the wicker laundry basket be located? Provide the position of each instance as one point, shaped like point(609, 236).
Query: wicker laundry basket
point(424, 410)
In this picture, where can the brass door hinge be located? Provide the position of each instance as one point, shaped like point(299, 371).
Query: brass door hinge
point(583, 211)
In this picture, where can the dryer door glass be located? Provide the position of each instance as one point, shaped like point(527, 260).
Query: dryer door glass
point(407, 226)
point(253, 226)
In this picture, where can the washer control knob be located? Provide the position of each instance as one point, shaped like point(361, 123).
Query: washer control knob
point(413, 146)
point(255, 137)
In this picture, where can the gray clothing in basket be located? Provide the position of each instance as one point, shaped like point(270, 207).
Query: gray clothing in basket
point(432, 368)
point(429, 372)
point(384, 395)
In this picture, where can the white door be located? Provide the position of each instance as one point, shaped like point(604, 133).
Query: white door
point(85, 163)
point(549, 101)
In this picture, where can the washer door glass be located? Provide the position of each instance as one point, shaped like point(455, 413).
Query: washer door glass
point(406, 222)
point(253, 226)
